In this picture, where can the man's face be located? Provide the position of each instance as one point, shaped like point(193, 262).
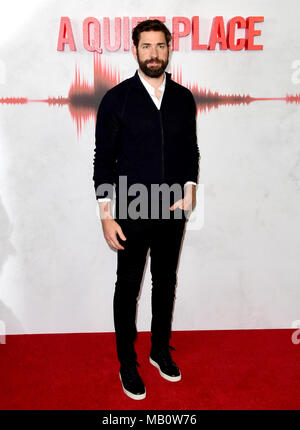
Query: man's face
point(152, 53)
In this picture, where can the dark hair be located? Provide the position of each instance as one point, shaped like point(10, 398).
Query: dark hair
point(150, 25)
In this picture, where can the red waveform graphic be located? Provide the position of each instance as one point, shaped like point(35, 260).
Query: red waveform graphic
point(83, 99)
point(14, 100)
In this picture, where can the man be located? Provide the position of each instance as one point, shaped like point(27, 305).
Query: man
point(146, 133)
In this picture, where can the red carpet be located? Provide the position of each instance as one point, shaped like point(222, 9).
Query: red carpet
point(224, 369)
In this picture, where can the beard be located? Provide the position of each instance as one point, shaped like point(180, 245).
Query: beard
point(153, 71)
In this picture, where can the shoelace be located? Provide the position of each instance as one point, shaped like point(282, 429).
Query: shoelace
point(166, 348)
point(130, 370)
point(165, 356)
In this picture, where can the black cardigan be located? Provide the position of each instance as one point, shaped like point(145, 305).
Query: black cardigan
point(135, 139)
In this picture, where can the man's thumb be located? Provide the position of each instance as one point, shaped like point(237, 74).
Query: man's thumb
point(121, 234)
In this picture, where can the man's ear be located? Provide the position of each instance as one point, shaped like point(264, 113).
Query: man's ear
point(133, 50)
point(170, 52)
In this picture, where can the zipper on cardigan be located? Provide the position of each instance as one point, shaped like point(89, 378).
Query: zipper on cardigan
point(162, 148)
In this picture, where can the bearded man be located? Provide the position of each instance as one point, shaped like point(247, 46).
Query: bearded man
point(146, 141)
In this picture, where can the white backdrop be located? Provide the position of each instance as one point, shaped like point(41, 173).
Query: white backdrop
point(241, 269)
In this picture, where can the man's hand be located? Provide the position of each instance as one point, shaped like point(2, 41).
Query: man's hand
point(110, 226)
point(110, 230)
point(189, 200)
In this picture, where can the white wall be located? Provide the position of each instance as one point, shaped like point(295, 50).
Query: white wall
point(241, 270)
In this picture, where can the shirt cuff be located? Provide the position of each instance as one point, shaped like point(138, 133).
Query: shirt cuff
point(104, 199)
point(190, 182)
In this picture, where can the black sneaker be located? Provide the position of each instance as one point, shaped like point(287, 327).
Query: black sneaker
point(162, 359)
point(131, 381)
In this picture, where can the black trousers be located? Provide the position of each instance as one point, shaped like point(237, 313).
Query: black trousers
point(163, 237)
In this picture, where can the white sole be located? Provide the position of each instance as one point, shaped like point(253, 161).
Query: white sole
point(167, 377)
point(131, 395)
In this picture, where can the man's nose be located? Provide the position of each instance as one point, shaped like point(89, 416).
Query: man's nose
point(154, 52)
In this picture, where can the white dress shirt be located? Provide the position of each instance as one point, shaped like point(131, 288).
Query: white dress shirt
point(151, 89)
point(157, 101)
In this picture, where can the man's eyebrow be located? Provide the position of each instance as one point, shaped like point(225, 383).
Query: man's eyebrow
point(159, 43)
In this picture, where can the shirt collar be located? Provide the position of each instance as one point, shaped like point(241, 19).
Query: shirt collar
point(149, 87)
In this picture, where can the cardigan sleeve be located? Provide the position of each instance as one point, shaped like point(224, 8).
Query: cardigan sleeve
point(106, 144)
point(192, 158)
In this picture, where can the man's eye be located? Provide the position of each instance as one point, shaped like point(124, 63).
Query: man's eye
point(147, 46)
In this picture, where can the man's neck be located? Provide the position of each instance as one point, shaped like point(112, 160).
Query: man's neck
point(155, 82)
